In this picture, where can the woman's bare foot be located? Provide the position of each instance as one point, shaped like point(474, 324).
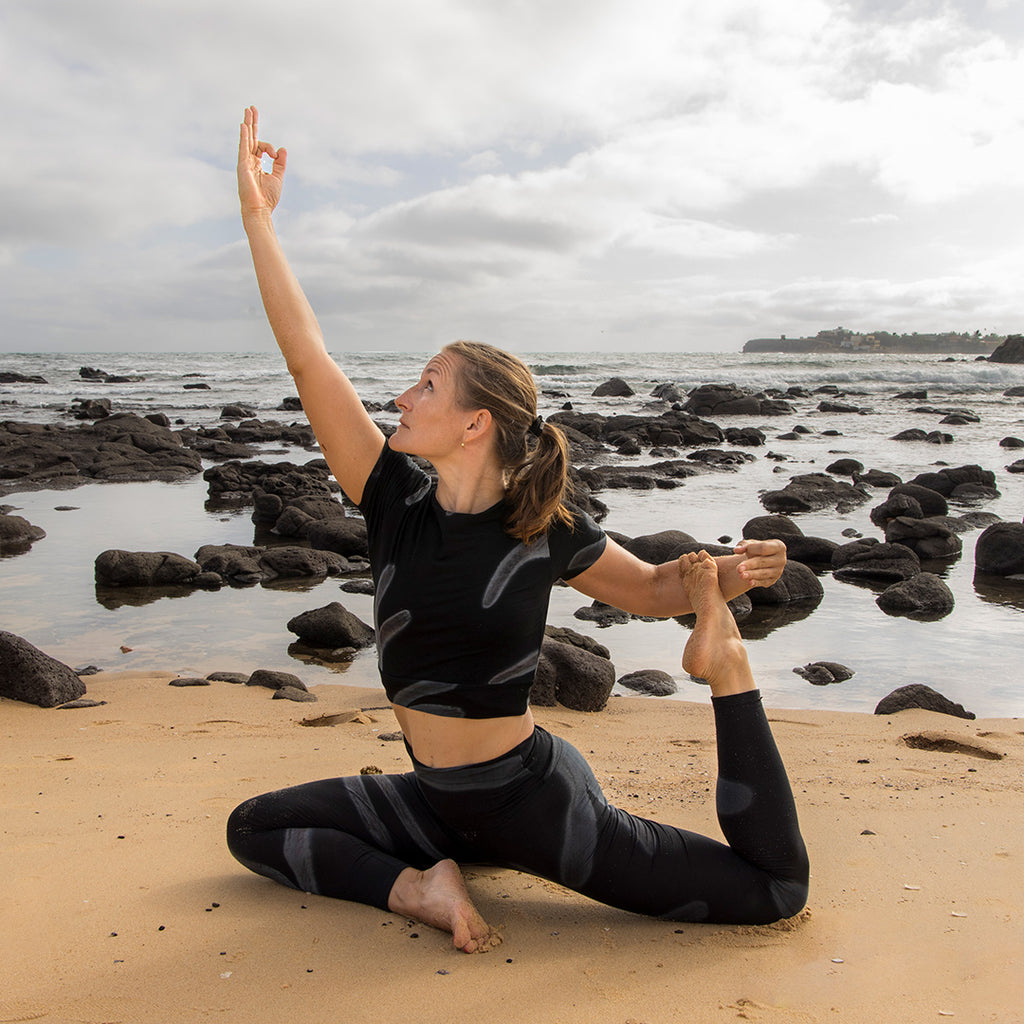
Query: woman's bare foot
point(438, 897)
point(715, 650)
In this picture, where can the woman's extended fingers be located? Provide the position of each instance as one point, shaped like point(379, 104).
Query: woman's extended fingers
point(257, 188)
point(763, 562)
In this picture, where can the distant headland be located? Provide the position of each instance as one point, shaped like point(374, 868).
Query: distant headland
point(838, 339)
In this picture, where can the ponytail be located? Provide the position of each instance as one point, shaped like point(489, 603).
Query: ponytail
point(537, 475)
point(537, 487)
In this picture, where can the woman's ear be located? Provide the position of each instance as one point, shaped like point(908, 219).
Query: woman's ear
point(480, 425)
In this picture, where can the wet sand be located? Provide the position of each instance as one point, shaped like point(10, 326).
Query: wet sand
point(123, 904)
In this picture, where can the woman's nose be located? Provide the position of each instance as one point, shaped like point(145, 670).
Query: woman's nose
point(402, 401)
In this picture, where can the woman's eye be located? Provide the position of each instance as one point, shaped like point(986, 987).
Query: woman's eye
point(429, 385)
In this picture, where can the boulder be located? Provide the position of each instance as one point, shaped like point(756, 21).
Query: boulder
point(822, 673)
point(1010, 351)
point(922, 596)
point(564, 635)
point(927, 538)
point(810, 550)
point(720, 459)
point(1011, 442)
point(771, 527)
point(877, 478)
point(892, 508)
point(573, 677)
point(239, 481)
point(667, 392)
point(932, 502)
point(236, 412)
point(797, 583)
point(13, 377)
point(294, 693)
point(868, 560)
point(842, 407)
point(651, 682)
point(294, 562)
point(116, 568)
point(616, 388)
point(918, 695)
point(344, 536)
point(18, 534)
point(1000, 550)
point(90, 408)
point(813, 491)
point(273, 680)
point(602, 615)
point(845, 467)
point(1016, 467)
point(665, 546)
point(30, 676)
point(232, 561)
point(947, 481)
point(749, 437)
point(331, 626)
point(730, 400)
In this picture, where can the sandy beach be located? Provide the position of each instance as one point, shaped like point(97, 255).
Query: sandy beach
point(123, 904)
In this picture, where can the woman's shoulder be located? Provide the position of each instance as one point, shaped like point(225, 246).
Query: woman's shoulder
point(575, 545)
point(394, 475)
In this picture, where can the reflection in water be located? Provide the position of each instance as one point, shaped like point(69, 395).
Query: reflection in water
point(761, 620)
point(113, 598)
point(338, 661)
point(1007, 591)
point(766, 618)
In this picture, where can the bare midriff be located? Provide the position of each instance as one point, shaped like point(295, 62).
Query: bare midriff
point(442, 742)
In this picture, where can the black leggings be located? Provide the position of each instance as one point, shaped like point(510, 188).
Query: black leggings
point(539, 809)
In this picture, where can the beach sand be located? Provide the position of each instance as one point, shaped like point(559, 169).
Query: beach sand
point(122, 903)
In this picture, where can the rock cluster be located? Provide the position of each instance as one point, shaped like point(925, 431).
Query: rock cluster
point(123, 447)
point(216, 565)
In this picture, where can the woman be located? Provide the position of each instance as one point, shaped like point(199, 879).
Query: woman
point(463, 571)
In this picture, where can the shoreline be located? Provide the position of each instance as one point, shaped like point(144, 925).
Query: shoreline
point(115, 825)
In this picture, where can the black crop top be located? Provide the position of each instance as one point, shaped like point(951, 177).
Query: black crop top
point(460, 606)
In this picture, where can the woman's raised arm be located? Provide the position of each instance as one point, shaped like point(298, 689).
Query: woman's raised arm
point(350, 441)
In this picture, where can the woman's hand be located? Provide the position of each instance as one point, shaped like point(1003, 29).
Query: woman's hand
point(763, 561)
point(258, 191)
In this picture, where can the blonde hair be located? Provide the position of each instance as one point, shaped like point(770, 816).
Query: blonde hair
point(538, 476)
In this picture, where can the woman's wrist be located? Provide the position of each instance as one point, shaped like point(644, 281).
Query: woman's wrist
point(257, 220)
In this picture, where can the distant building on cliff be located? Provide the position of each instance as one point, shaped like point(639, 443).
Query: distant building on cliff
point(839, 339)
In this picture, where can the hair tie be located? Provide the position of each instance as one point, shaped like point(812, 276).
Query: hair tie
point(536, 427)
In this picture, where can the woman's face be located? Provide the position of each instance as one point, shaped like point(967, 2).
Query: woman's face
point(432, 424)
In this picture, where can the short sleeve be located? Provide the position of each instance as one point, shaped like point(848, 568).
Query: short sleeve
point(394, 478)
point(575, 548)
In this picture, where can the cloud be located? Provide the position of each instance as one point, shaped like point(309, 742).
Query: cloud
point(541, 170)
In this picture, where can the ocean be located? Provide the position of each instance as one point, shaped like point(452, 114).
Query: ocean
point(47, 594)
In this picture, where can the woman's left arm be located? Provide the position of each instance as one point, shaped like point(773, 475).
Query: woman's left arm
point(624, 581)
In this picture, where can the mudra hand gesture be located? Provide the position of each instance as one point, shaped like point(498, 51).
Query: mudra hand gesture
point(258, 191)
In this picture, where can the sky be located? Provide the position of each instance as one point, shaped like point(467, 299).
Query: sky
point(578, 175)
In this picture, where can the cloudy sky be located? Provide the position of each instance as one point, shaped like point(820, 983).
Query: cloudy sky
point(543, 174)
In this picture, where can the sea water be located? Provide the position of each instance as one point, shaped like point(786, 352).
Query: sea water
point(48, 596)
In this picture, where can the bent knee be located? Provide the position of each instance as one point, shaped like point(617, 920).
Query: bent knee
point(789, 897)
point(241, 823)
